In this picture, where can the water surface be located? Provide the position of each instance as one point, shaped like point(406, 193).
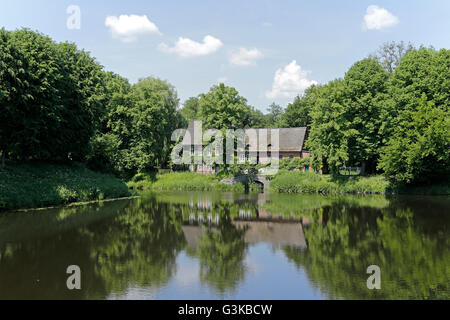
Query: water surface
point(187, 245)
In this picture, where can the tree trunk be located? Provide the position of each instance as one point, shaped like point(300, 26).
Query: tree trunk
point(3, 158)
point(363, 168)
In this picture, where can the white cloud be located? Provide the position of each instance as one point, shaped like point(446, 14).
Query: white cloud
point(185, 47)
point(245, 57)
point(289, 82)
point(222, 80)
point(128, 27)
point(378, 18)
point(267, 24)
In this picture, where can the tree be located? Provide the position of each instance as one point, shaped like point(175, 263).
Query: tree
point(141, 123)
point(391, 53)
point(256, 119)
point(223, 108)
point(419, 148)
point(326, 135)
point(414, 131)
point(274, 115)
point(10, 71)
point(347, 115)
point(190, 110)
point(48, 97)
point(298, 113)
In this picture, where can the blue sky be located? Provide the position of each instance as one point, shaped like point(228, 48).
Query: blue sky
point(268, 50)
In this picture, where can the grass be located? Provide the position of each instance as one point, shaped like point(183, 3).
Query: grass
point(299, 182)
point(186, 181)
point(284, 182)
point(37, 185)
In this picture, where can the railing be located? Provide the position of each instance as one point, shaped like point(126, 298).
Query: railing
point(350, 171)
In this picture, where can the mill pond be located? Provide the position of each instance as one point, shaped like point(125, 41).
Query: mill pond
point(192, 245)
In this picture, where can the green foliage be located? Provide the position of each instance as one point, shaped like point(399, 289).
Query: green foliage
point(419, 149)
point(140, 122)
point(415, 119)
point(298, 113)
point(190, 110)
point(40, 185)
point(295, 163)
point(408, 245)
point(299, 182)
point(391, 54)
point(273, 117)
point(49, 97)
point(347, 116)
point(257, 119)
point(223, 108)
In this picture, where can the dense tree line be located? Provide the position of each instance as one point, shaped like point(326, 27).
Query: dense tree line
point(389, 113)
point(58, 104)
point(393, 122)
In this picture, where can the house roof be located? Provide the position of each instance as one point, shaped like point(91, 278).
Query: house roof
point(289, 139)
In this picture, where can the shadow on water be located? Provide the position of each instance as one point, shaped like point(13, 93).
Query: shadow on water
point(230, 245)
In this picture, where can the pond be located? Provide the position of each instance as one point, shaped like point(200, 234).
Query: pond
point(190, 245)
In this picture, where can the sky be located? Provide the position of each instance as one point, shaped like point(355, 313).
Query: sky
point(270, 51)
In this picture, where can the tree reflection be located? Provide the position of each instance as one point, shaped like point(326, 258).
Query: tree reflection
point(134, 246)
point(222, 252)
point(343, 242)
point(139, 247)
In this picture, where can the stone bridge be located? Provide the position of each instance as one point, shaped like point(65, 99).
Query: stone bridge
point(258, 178)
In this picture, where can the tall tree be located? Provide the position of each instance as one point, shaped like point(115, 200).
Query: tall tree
point(275, 112)
point(142, 125)
point(418, 151)
point(414, 120)
point(223, 108)
point(298, 113)
point(190, 109)
point(48, 97)
point(347, 115)
point(391, 53)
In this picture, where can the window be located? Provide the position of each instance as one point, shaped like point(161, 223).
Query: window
point(192, 150)
point(242, 158)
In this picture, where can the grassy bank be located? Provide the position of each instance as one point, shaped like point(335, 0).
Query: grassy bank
point(284, 182)
point(35, 185)
point(299, 182)
point(186, 181)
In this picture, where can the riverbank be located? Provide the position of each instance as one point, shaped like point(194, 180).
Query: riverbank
point(283, 182)
point(181, 181)
point(37, 185)
point(299, 182)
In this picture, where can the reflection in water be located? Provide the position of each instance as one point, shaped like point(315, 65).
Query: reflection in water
point(230, 245)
